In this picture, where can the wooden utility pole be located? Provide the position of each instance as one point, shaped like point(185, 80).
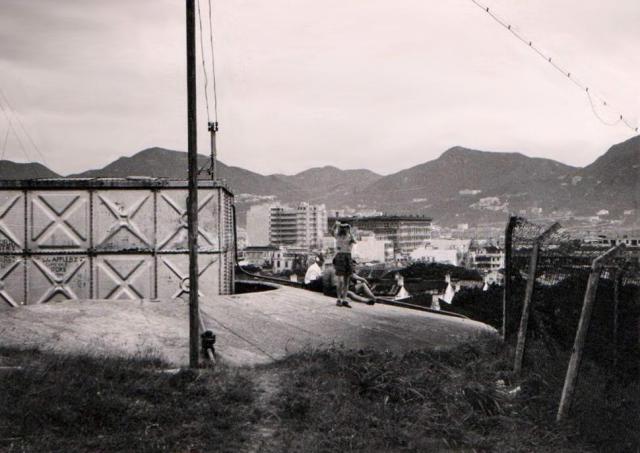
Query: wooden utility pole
point(617, 283)
point(528, 296)
point(506, 294)
point(581, 335)
point(213, 128)
point(192, 200)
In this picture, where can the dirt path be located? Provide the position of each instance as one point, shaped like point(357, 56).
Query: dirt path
point(268, 383)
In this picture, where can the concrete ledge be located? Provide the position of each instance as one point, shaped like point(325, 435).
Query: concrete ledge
point(251, 328)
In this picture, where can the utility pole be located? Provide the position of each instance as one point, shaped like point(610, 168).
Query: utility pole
point(213, 128)
point(192, 200)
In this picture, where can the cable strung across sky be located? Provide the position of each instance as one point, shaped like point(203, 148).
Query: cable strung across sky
point(213, 66)
point(568, 74)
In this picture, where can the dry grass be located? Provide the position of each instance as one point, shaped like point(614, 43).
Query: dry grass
point(447, 401)
point(74, 403)
point(335, 400)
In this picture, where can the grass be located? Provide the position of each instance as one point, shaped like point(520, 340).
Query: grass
point(423, 401)
point(67, 403)
point(331, 400)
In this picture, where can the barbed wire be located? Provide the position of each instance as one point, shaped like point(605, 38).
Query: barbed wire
point(566, 73)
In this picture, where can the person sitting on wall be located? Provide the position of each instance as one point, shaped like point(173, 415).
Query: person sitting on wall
point(361, 288)
point(330, 282)
point(313, 276)
point(342, 260)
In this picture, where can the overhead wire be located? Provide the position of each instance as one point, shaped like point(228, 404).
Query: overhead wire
point(24, 129)
point(204, 67)
point(15, 133)
point(212, 125)
point(213, 66)
point(566, 73)
point(4, 144)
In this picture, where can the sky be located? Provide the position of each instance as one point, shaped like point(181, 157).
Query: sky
point(300, 83)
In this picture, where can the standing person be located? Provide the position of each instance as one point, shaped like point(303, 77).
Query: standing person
point(342, 260)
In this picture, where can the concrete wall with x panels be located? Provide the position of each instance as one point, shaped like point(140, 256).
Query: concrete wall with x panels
point(110, 239)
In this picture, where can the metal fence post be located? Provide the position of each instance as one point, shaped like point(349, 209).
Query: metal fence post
point(581, 334)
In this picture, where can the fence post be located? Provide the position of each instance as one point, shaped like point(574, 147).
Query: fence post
point(616, 303)
point(506, 292)
point(528, 295)
point(524, 319)
point(581, 334)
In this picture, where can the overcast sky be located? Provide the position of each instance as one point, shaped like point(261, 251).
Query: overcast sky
point(351, 83)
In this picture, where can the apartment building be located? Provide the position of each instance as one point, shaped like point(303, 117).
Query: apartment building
point(302, 226)
point(406, 232)
point(485, 258)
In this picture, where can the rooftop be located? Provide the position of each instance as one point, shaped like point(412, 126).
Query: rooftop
point(384, 217)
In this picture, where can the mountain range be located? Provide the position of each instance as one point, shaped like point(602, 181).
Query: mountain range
point(462, 185)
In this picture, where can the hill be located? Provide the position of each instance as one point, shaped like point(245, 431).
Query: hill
point(31, 170)
point(331, 185)
point(462, 185)
point(463, 182)
point(612, 182)
point(322, 184)
point(165, 163)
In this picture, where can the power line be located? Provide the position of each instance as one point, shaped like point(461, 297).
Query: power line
point(24, 129)
point(213, 65)
point(204, 68)
point(566, 73)
point(13, 129)
point(4, 144)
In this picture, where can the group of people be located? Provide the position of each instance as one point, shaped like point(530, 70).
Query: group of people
point(341, 281)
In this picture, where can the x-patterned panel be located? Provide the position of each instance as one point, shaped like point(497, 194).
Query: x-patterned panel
point(123, 220)
point(173, 276)
point(53, 278)
point(172, 220)
point(58, 221)
point(123, 277)
point(11, 221)
point(12, 280)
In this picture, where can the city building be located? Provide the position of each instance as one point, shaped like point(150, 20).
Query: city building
point(303, 226)
point(258, 224)
point(370, 249)
point(259, 255)
point(630, 240)
point(485, 258)
point(431, 255)
point(445, 251)
point(242, 238)
point(406, 232)
point(291, 259)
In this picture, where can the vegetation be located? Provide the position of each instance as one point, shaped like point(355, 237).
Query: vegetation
point(315, 401)
point(438, 271)
point(68, 403)
point(555, 314)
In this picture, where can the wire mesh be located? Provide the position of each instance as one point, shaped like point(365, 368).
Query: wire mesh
point(564, 263)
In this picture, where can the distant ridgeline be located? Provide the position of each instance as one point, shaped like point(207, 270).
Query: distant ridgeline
point(462, 185)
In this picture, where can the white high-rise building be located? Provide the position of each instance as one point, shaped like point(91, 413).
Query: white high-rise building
point(258, 225)
point(303, 226)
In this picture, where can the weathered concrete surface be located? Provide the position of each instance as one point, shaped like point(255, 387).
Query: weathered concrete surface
point(251, 328)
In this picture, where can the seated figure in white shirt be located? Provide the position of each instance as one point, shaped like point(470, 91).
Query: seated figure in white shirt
point(313, 277)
